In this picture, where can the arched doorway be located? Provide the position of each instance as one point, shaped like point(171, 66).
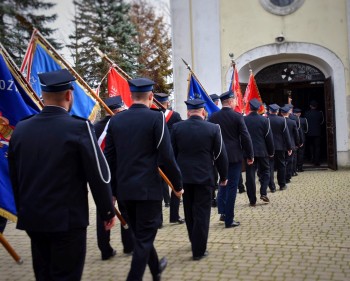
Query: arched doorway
point(333, 70)
point(300, 83)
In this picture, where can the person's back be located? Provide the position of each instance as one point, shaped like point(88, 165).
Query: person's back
point(280, 132)
point(52, 156)
point(314, 119)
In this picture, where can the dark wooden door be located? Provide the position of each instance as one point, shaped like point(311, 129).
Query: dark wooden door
point(330, 124)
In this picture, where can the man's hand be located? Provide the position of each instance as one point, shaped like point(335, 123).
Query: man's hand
point(250, 161)
point(110, 223)
point(179, 193)
point(271, 156)
point(289, 152)
point(223, 183)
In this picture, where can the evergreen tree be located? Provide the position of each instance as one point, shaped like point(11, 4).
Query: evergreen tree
point(17, 19)
point(104, 24)
point(153, 37)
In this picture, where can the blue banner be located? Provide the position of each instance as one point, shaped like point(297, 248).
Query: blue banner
point(84, 105)
point(15, 104)
point(195, 91)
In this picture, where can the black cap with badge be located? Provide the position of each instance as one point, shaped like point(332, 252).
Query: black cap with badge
point(56, 81)
point(195, 104)
point(141, 85)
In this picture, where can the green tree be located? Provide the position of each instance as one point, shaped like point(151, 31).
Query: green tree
point(104, 24)
point(153, 37)
point(17, 19)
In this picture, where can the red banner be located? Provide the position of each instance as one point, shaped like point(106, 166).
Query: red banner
point(118, 86)
point(236, 88)
point(252, 92)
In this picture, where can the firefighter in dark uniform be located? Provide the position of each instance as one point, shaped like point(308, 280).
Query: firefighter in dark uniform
point(302, 131)
point(295, 118)
point(171, 117)
point(52, 157)
point(294, 138)
point(315, 120)
point(215, 98)
point(135, 140)
point(282, 144)
point(117, 105)
point(237, 140)
point(261, 135)
point(197, 146)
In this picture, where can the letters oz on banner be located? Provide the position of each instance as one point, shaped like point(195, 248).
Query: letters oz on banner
point(10, 87)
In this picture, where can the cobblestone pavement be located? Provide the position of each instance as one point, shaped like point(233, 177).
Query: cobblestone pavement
point(303, 234)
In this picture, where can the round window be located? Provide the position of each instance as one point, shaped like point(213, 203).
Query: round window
point(281, 7)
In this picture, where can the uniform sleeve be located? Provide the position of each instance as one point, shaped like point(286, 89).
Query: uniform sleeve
point(246, 140)
point(269, 139)
point(13, 173)
point(220, 155)
point(97, 172)
point(166, 153)
point(111, 158)
point(286, 135)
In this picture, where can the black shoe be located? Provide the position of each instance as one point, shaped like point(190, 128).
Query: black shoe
point(162, 265)
point(179, 221)
point(167, 205)
point(233, 224)
point(265, 198)
point(160, 226)
point(128, 253)
point(300, 170)
point(213, 203)
point(273, 190)
point(111, 255)
point(252, 204)
point(283, 187)
point(197, 258)
point(222, 217)
point(288, 181)
point(241, 190)
point(295, 174)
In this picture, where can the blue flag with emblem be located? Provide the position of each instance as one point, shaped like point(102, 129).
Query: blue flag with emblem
point(15, 104)
point(39, 59)
point(196, 91)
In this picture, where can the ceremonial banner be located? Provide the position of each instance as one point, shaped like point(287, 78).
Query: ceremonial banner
point(118, 86)
point(38, 59)
point(196, 91)
point(236, 88)
point(252, 92)
point(17, 101)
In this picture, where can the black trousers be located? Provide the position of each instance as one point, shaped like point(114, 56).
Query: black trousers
point(289, 164)
point(197, 206)
point(103, 236)
point(279, 163)
point(314, 144)
point(300, 157)
point(174, 207)
point(58, 255)
point(166, 196)
point(262, 165)
point(145, 218)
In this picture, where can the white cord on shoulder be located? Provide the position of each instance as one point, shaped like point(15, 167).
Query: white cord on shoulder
point(220, 143)
point(268, 131)
point(161, 137)
point(307, 126)
point(96, 157)
point(285, 124)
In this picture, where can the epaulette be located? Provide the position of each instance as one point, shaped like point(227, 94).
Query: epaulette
point(79, 117)
point(27, 117)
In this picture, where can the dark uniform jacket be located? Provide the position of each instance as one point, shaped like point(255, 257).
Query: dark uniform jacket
point(197, 145)
point(301, 132)
point(315, 120)
point(293, 132)
point(280, 133)
point(234, 133)
point(135, 138)
point(260, 133)
point(174, 118)
point(51, 160)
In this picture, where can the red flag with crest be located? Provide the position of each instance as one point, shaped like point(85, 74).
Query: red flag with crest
point(236, 88)
point(252, 92)
point(118, 86)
